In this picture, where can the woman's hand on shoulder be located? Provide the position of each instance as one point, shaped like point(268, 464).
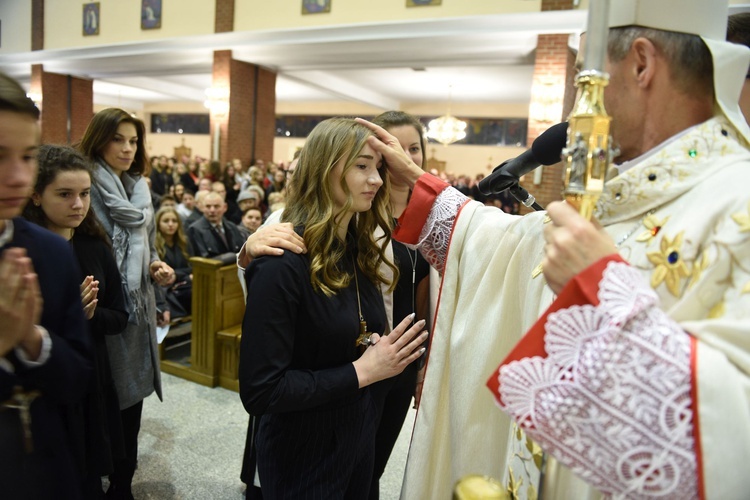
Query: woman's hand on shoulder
point(273, 240)
point(387, 356)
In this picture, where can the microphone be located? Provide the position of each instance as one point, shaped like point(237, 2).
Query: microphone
point(545, 150)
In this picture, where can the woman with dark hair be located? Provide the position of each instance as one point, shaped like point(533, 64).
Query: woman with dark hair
point(114, 141)
point(60, 202)
point(411, 295)
point(308, 353)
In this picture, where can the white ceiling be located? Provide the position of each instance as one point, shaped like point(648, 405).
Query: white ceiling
point(480, 59)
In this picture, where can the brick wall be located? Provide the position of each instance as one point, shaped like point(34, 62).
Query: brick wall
point(248, 131)
point(82, 93)
point(241, 133)
point(224, 16)
point(37, 25)
point(220, 79)
point(56, 90)
point(266, 114)
point(557, 4)
point(554, 67)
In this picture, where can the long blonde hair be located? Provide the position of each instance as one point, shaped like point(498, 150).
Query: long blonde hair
point(311, 204)
point(180, 241)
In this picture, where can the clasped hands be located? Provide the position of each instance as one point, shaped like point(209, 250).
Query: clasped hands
point(20, 304)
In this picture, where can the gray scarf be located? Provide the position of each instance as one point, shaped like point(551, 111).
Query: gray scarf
point(131, 217)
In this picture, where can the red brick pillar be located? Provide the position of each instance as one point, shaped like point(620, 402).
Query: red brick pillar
point(224, 20)
point(552, 98)
point(37, 25)
point(67, 105)
point(247, 128)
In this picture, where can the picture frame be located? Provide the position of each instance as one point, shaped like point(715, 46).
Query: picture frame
point(422, 3)
point(91, 19)
point(316, 6)
point(150, 14)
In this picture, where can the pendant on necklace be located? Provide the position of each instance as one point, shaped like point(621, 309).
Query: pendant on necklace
point(363, 340)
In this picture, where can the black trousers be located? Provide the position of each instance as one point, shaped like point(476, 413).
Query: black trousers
point(124, 468)
point(392, 398)
point(324, 453)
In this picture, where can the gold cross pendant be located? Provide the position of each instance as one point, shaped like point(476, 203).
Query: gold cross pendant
point(363, 340)
point(21, 401)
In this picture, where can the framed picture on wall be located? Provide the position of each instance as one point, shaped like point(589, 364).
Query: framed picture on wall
point(150, 14)
point(419, 3)
point(316, 6)
point(91, 19)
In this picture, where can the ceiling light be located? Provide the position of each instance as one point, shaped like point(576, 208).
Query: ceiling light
point(447, 129)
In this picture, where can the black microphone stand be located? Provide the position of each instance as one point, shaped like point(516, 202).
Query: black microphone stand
point(524, 196)
point(507, 181)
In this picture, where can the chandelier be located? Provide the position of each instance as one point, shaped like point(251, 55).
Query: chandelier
point(447, 129)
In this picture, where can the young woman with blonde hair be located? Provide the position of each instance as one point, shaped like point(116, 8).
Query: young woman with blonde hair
point(311, 343)
point(173, 247)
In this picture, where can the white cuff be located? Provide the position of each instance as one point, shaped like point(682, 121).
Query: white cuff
point(43, 355)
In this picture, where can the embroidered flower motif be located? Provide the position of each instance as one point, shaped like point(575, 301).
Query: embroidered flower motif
point(743, 220)
point(670, 267)
point(699, 266)
point(536, 452)
point(513, 485)
point(653, 226)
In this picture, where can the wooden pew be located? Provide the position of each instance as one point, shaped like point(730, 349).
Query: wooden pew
point(218, 305)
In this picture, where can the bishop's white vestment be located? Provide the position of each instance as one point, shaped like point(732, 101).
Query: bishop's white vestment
point(636, 377)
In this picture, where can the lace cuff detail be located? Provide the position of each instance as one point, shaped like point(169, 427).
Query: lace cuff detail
point(612, 399)
point(436, 233)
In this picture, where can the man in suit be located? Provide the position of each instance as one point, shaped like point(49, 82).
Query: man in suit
point(45, 358)
point(213, 236)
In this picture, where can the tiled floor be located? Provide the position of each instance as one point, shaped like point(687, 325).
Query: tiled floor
point(191, 445)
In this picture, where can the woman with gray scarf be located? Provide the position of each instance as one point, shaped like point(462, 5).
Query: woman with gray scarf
point(120, 197)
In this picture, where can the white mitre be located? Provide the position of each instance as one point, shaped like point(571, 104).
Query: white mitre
point(707, 19)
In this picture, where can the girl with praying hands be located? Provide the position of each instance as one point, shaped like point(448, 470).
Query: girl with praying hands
point(60, 202)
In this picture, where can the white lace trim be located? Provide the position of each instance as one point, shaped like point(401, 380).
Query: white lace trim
point(612, 399)
point(436, 233)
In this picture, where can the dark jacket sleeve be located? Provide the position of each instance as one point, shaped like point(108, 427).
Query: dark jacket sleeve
point(110, 315)
point(179, 263)
point(269, 381)
point(237, 240)
point(198, 240)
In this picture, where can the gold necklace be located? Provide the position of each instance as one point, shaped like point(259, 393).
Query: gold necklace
point(363, 340)
point(413, 262)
